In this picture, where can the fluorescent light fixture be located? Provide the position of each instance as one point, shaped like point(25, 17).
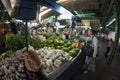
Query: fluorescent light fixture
point(43, 13)
point(101, 27)
point(65, 12)
point(60, 1)
point(62, 16)
point(113, 20)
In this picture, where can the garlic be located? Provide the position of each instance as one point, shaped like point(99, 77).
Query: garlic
point(52, 59)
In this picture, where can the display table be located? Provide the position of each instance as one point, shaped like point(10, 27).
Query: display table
point(66, 71)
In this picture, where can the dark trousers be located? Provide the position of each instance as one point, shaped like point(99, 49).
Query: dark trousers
point(107, 51)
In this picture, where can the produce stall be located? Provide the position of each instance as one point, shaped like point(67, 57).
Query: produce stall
point(69, 69)
point(58, 59)
point(33, 57)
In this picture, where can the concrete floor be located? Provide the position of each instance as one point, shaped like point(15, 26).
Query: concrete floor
point(102, 71)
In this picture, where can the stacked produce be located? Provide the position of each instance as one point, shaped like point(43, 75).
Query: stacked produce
point(38, 42)
point(65, 45)
point(16, 42)
point(13, 68)
point(52, 59)
point(53, 53)
point(6, 55)
point(40, 37)
point(78, 44)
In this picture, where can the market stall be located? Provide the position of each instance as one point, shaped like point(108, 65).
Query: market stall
point(58, 58)
point(34, 57)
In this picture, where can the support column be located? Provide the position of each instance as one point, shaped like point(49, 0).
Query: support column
point(117, 31)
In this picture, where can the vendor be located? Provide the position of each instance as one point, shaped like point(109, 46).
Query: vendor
point(66, 32)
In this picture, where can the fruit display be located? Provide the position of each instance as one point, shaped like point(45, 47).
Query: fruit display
point(13, 68)
point(57, 43)
point(52, 59)
point(38, 41)
point(78, 44)
point(52, 52)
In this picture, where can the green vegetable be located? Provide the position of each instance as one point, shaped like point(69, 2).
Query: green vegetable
point(74, 52)
point(58, 47)
point(68, 43)
point(6, 54)
point(61, 42)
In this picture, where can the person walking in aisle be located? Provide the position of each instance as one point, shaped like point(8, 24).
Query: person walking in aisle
point(90, 58)
point(109, 47)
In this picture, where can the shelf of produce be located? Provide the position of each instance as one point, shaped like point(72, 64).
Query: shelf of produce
point(66, 71)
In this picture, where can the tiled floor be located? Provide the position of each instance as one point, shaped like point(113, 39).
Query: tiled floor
point(103, 72)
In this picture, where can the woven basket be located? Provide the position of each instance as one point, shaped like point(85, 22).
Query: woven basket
point(37, 59)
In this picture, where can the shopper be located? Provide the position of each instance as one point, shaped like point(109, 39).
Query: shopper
point(109, 47)
point(90, 59)
point(66, 32)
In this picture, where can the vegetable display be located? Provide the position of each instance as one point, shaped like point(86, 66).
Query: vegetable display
point(7, 54)
point(52, 59)
point(13, 68)
point(57, 43)
point(17, 42)
point(53, 53)
point(38, 41)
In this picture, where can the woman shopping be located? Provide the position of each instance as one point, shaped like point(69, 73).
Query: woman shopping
point(66, 32)
point(91, 51)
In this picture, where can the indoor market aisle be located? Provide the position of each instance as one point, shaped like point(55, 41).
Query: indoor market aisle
point(102, 71)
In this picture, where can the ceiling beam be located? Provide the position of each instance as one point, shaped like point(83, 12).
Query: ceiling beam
point(76, 5)
point(7, 5)
point(81, 4)
point(54, 6)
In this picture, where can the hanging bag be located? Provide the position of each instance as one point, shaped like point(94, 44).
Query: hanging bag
point(89, 49)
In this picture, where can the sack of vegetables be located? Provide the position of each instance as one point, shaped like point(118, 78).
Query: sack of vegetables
point(32, 61)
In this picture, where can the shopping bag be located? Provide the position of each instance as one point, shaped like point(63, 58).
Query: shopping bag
point(89, 50)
